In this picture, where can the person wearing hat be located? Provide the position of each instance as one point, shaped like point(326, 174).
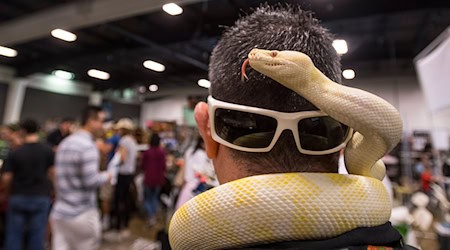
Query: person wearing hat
point(128, 151)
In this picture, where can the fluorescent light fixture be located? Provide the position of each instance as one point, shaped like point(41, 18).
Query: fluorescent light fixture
point(340, 46)
point(348, 74)
point(5, 51)
point(204, 83)
point(64, 74)
point(153, 88)
point(155, 66)
point(64, 35)
point(172, 9)
point(98, 74)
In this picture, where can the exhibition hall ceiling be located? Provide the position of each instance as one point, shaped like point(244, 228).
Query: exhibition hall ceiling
point(382, 37)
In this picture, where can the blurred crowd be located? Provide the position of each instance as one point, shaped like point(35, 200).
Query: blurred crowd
point(58, 179)
point(51, 178)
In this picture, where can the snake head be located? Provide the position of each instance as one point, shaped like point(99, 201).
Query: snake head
point(285, 67)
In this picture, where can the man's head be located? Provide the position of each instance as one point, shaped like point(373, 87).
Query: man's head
point(29, 127)
point(270, 28)
point(5, 133)
point(92, 118)
point(66, 125)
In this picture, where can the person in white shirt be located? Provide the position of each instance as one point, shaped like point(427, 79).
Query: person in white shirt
point(196, 162)
point(128, 152)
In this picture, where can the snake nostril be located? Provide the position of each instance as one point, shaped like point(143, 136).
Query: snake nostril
point(274, 53)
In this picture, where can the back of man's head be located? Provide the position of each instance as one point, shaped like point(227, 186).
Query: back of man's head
point(68, 120)
point(273, 28)
point(88, 113)
point(29, 126)
point(154, 140)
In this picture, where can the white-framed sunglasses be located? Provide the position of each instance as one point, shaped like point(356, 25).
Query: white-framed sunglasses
point(252, 129)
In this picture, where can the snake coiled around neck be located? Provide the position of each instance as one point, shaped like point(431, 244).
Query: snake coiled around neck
point(300, 206)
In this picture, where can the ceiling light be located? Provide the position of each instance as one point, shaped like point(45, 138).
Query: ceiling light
point(348, 74)
point(340, 46)
point(142, 89)
point(155, 66)
point(204, 83)
point(98, 74)
point(153, 88)
point(5, 51)
point(64, 74)
point(172, 9)
point(64, 35)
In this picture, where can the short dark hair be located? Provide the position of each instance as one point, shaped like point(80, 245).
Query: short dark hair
point(280, 27)
point(29, 126)
point(68, 119)
point(90, 112)
point(154, 140)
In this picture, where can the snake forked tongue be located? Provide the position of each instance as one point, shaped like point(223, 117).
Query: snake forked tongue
point(244, 66)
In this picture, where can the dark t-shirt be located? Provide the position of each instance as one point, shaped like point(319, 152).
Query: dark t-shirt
point(379, 237)
point(55, 137)
point(29, 164)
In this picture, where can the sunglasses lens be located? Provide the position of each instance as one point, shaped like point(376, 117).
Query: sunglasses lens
point(321, 133)
point(244, 129)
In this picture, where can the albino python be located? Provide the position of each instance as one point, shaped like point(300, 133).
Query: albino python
point(300, 206)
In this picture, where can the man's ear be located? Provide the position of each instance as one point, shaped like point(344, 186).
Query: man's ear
point(202, 118)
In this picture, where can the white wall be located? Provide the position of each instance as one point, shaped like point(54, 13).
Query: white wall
point(404, 92)
point(168, 109)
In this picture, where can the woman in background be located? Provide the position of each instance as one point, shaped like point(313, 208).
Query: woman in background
point(154, 167)
point(196, 164)
point(128, 153)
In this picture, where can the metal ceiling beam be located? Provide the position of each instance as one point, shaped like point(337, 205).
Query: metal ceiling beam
point(391, 21)
point(161, 49)
point(76, 15)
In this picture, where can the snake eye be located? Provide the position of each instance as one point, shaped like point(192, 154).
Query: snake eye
point(274, 53)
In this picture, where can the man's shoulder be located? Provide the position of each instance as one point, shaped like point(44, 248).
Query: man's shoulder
point(371, 238)
point(42, 147)
point(76, 142)
point(366, 247)
point(19, 151)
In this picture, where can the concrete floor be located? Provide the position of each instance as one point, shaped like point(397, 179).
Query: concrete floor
point(142, 237)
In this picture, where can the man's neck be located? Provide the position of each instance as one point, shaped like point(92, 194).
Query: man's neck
point(87, 129)
point(32, 138)
point(62, 131)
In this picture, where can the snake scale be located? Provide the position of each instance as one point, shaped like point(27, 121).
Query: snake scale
point(300, 206)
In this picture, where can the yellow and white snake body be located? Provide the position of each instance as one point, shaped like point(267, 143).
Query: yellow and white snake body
point(300, 206)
